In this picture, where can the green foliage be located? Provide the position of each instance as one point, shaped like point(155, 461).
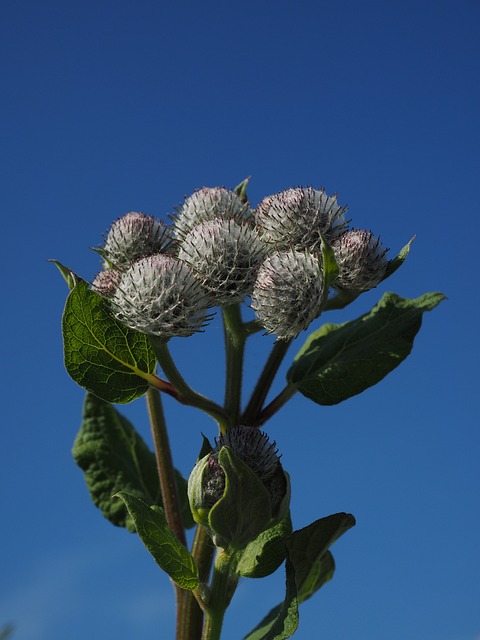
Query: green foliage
point(166, 549)
point(102, 355)
point(114, 458)
point(241, 513)
point(309, 566)
point(266, 553)
point(397, 262)
point(340, 361)
point(6, 632)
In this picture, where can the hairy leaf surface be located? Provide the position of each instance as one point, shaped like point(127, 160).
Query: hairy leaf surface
point(340, 361)
point(101, 354)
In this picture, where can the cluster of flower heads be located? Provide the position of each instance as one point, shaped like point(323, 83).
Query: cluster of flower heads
point(163, 279)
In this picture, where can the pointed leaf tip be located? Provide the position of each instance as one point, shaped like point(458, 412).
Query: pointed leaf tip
point(68, 275)
point(340, 361)
point(397, 262)
point(166, 549)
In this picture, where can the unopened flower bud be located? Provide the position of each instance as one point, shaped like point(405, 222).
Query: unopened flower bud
point(288, 292)
point(298, 217)
point(225, 256)
point(239, 489)
point(159, 295)
point(208, 204)
point(361, 260)
point(135, 236)
point(106, 282)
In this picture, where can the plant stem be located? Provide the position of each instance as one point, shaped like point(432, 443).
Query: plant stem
point(186, 395)
point(166, 471)
point(276, 404)
point(220, 596)
point(253, 409)
point(189, 615)
point(202, 552)
point(235, 337)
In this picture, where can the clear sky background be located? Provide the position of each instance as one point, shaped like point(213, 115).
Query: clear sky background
point(109, 107)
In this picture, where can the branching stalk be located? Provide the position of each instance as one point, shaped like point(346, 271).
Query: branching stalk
point(276, 404)
point(258, 397)
point(186, 395)
point(235, 337)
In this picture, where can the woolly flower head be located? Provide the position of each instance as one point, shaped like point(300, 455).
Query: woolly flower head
point(208, 204)
point(225, 256)
point(288, 292)
point(160, 296)
point(361, 260)
point(135, 236)
point(106, 282)
point(296, 217)
point(253, 447)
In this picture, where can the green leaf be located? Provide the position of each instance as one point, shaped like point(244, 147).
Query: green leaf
point(282, 621)
point(397, 262)
point(266, 553)
point(340, 361)
point(309, 565)
point(166, 549)
point(241, 190)
point(67, 273)
point(321, 572)
point(101, 354)
point(329, 264)
point(113, 458)
point(307, 547)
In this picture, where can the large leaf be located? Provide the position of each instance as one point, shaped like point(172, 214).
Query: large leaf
point(114, 458)
point(340, 361)
point(166, 549)
point(309, 565)
point(266, 553)
point(102, 355)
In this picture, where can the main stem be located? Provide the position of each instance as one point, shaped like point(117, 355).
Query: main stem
point(166, 471)
point(189, 615)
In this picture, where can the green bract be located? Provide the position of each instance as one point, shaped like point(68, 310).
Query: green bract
point(231, 501)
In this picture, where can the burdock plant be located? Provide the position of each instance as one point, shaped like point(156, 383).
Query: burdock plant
point(290, 260)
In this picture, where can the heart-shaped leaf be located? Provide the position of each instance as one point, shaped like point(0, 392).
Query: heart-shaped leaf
point(101, 354)
point(114, 457)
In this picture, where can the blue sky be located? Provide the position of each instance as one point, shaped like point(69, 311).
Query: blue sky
point(116, 106)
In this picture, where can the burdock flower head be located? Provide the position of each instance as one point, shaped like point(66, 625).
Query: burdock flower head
point(239, 489)
point(288, 292)
point(160, 296)
point(208, 204)
point(298, 217)
point(225, 255)
point(132, 237)
point(361, 260)
point(106, 282)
